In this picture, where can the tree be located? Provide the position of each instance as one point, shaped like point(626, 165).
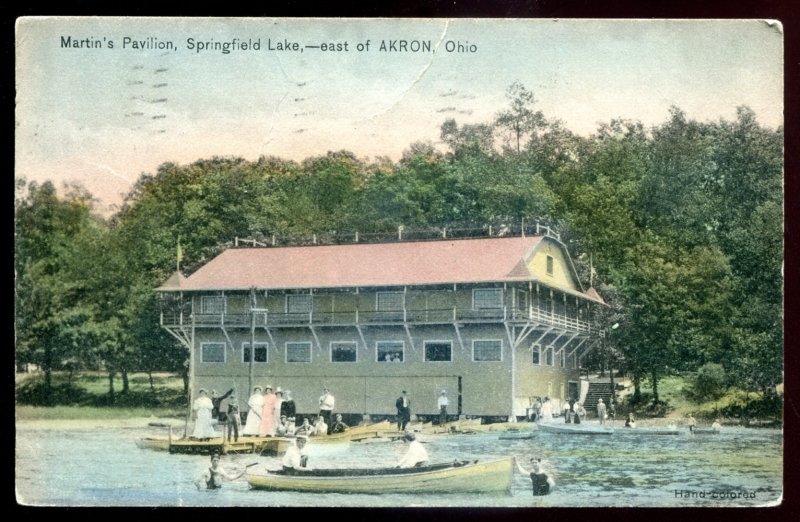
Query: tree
point(520, 119)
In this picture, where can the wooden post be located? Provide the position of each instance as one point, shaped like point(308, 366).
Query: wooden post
point(191, 379)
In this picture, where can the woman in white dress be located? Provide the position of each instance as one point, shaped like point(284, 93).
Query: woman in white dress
point(255, 405)
point(203, 429)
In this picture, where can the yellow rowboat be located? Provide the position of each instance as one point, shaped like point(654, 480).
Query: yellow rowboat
point(333, 438)
point(492, 476)
point(259, 445)
point(375, 426)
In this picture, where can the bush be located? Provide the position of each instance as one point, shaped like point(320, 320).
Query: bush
point(708, 383)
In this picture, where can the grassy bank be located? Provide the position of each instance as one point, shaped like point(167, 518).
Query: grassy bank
point(76, 395)
point(735, 406)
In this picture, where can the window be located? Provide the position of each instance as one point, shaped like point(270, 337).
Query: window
point(259, 357)
point(389, 301)
point(548, 356)
point(298, 303)
point(549, 265)
point(562, 361)
point(212, 304)
point(487, 350)
point(212, 352)
point(343, 352)
point(390, 351)
point(438, 351)
point(537, 353)
point(483, 298)
point(298, 352)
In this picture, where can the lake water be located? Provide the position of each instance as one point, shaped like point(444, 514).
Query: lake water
point(91, 467)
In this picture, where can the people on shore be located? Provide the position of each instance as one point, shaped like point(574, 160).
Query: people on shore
point(202, 406)
point(580, 413)
point(541, 482)
point(267, 428)
point(213, 477)
point(278, 406)
point(601, 411)
point(338, 425)
point(612, 410)
point(443, 402)
point(416, 454)
point(233, 421)
point(326, 404)
point(716, 426)
point(536, 409)
point(630, 422)
point(287, 406)
point(403, 405)
point(296, 456)
point(691, 423)
point(567, 412)
point(216, 401)
point(255, 405)
point(546, 412)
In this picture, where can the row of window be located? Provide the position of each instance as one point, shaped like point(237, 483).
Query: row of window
point(386, 351)
point(482, 299)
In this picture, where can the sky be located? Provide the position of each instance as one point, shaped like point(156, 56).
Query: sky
point(102, 115)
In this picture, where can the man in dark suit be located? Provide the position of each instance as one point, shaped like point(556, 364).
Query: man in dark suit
point(403, 404)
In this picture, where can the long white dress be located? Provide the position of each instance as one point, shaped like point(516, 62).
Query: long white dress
point(256, 405)
point(203, 427)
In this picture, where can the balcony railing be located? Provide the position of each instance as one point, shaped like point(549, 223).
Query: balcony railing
point(374, 317)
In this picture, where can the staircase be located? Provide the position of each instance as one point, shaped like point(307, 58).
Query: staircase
point(597, 390)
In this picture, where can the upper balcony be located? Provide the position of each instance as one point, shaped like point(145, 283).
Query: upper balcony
point(262, 319)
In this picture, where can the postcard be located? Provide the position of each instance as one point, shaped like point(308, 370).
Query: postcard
point(300, 262)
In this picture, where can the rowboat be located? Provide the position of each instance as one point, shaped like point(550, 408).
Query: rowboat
point(649, 431)
point(576, 429)
point(704, 431)
point(260, 445)
point(517, 436)
point(493, 476)
point(334, 438)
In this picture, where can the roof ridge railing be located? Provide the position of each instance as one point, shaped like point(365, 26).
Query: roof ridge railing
point(404, 234)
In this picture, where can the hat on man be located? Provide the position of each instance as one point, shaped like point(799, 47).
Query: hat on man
point(302, 437)
point(409, 437)
point(202, 390)
point(444, 392)
point(279, 390)
point(268, 387)
point(404, 391)
point(259, 388)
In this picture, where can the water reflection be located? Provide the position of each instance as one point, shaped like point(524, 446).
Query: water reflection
point(105, 468)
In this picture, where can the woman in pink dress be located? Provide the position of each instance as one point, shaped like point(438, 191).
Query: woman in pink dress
point(268, 424)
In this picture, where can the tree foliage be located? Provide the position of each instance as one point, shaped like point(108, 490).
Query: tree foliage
point(682, 222)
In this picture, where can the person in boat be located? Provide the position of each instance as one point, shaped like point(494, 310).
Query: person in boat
point(296, 456)
point(203, 427)
point(255, 405)
point(601, 411)
point(291, 428)
point(214, 476)
point(287, 406)
point(541, 483)
point(216, 401)
point(326, 404)
point(716, 426)
point(338, 425)
point(403, 405)
point(320, 428)
point(304, 429)
point(692, 423)
point(630, 422)
point(283, 427)
point(268, 424)
point(416, 455)
point(232, 419)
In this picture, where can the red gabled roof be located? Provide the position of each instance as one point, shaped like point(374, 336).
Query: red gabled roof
point(368, 265)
